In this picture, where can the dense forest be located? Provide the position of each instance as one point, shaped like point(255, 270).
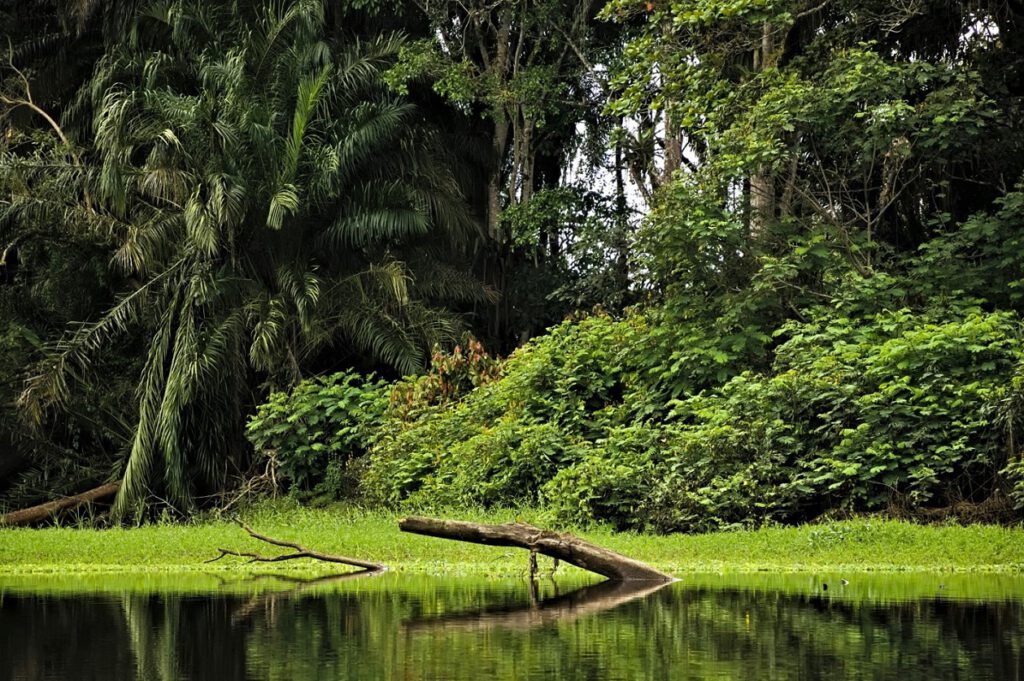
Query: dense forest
point(671, 265)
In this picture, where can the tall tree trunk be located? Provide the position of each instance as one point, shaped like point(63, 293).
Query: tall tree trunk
point(499, 67)
point(499, 142)
point(546, 173)
point(526, 163)
point(762, 183)
point(621, 221)
point(673, 149)
point(673, 143)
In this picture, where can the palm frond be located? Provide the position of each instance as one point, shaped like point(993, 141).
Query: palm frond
point(138, 470)
point(376, 212)
point(383, 336)
point(71, 356)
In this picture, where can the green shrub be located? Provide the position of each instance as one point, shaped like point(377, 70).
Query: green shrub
point(730, 456)
point(915, 420)
point(609, 480)
point(500, 466)
point(1008, 412)
point(499, 443)
point(314, 432)
point(853, 416)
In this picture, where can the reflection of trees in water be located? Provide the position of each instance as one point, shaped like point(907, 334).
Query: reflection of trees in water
point(176, 637)
point(454, 630)
point(150, 637)
point(154, 646)
point(49, 638)
point(763, 635)
point(675, 633)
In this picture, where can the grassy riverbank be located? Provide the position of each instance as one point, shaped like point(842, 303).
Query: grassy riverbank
point(861, 545)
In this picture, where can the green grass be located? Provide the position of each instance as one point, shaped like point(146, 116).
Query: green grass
point(859, 545)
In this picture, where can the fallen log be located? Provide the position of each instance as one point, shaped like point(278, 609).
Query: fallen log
point(563, 547)
point(298, 551)
point(43, 512)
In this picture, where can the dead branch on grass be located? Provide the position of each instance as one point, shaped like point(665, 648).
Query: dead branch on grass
point(298, 551)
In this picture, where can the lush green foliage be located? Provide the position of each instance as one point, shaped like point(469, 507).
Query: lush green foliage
point(503, 440)
point(257, 202)
point(892, 409)
point(314, 433)
point(895, 409)
point(818, 313)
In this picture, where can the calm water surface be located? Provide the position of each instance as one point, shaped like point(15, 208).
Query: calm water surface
point(705, 627)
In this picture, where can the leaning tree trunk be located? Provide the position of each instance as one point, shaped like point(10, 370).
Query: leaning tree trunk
point(564, 547)
point(43, 512)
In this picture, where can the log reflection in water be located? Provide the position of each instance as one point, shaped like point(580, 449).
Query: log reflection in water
point(262, 601)
point(583, 602)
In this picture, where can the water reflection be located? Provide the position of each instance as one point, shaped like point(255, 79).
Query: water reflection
point(466, 629)
point(562, 609)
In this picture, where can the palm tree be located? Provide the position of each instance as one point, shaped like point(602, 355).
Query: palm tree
point(266, 193)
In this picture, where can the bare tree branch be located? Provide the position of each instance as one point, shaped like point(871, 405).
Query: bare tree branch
point(298, 551)
point(13, 102)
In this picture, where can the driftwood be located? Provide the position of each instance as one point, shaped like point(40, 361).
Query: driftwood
point(584, 602)
point(43, 512)
point(298, 551)
point(563, 547)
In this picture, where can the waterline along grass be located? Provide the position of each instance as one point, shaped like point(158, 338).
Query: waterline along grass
point(862, 545)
